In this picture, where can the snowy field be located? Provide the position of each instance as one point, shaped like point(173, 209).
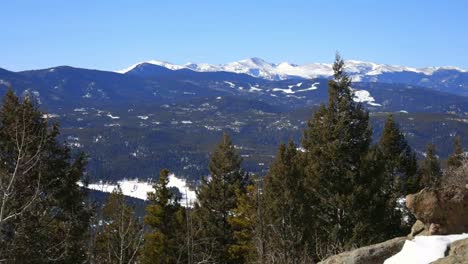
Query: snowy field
point(138, 189)
point(424, 249)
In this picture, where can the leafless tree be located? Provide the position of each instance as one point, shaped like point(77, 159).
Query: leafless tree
point(29, 147)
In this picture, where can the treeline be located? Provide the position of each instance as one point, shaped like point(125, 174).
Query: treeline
point(335, 192)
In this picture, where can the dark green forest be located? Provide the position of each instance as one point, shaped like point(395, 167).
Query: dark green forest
point(337, 190)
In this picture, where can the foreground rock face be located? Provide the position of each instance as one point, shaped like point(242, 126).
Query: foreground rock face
point(374, 254)
point(443, 211)
point(458, 253)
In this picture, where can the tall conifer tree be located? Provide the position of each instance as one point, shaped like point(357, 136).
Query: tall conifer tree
point(456, 159)
point(165, 243)
point(43, 216)
point(217, 198)
point(400, 161)
point(287, 213)
point(431, 172)
point(341, 190)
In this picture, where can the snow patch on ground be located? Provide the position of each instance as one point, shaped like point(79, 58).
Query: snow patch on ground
point(138, 189)
point(363, 96)
point(291, 91)
point(230, 84)
point(143, 117)
point(113, 117)
point(47, 116)
point(424, 249)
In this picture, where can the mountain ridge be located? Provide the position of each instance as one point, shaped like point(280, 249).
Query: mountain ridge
point(258, 67)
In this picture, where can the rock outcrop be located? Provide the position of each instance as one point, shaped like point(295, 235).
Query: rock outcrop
point(374, 254)
point(458, 253)
point(442, 211)
point(439, 212)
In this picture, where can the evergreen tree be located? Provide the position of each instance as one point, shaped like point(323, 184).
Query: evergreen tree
point(400, 160)
point(249, 226)
point(456, 159)
point(43, 217)
point(121, 235)
point(287, 208)
point(165, 243)
point(340, 188)
point(217, 198)
point(430, 170)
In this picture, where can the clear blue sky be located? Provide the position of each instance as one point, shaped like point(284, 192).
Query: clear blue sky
point(112, 34)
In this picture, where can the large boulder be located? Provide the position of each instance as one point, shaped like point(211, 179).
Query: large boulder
point(458, 253)
point(443, 211)
point(374, 254)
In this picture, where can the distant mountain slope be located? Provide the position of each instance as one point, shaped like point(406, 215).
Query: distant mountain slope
point(448, 79)
point(154, 117)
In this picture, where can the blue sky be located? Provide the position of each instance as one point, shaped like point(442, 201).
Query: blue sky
point(113, 34)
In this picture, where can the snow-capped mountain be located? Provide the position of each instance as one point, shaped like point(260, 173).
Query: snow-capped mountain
point(359, 70)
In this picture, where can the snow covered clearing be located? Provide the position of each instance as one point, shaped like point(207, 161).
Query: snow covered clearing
point(290, 90)
point(424, 249)
point(138, 189)
point(363, 96)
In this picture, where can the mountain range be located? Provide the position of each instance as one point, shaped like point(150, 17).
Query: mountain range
point(157, 115)
point(447, 78)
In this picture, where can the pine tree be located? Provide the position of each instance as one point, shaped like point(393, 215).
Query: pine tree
point(430, 170)
point(121, 235)
point(400, 160)
point(249, 227)
point(165, 243)
point(456, 159)
point(286, 207)
point(337, 149)
point(42, 216)
point(217, 198)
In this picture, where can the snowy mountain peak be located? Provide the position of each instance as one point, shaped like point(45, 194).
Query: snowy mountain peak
point(164, 64)
point(257, 67)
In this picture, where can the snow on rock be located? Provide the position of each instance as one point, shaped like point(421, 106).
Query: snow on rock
point(138, 189)
point(363, 96)
point(424, 249)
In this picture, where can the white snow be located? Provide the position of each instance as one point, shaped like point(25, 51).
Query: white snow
point(138, 189)
point(186, 122)
point(47, 116)
point(164, 64)
point(254, 89)
point(230, 84)
point(363, 96)
point(143, 117)
point(260, 68)
point(113, 117)
point(424, 249)
point(291, 91)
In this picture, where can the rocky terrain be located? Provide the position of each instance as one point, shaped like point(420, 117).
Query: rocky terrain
point(440, 214)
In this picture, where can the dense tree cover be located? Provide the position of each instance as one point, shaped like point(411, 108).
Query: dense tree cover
point(43, 218)
point(335, 192)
